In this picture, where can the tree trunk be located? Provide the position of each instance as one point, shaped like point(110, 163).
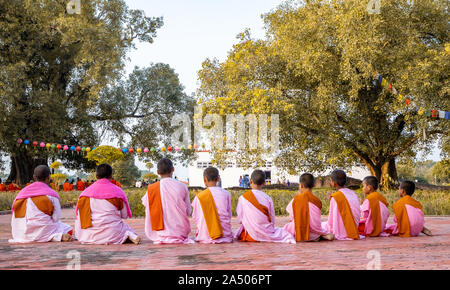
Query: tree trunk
point(22, 167)
point(386, 172)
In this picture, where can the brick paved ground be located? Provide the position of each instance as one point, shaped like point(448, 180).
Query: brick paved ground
point(396, 253)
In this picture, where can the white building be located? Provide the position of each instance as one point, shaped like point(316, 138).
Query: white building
point(230, 175)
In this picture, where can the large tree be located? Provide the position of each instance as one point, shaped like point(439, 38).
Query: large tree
point(315, 68)
point(57, 70)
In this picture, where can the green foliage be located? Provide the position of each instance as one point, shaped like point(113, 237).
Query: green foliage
point(125, 171)
point(150, 176)
point(315, 69)
point(434, 202)
point(441, 171)
point(104, 154)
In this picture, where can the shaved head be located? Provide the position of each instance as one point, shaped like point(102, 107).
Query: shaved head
point(41, 173)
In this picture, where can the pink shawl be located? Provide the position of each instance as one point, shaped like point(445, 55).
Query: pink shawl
point(105, 189)
point(35, 189)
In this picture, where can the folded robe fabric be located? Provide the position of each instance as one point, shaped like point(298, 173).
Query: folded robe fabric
point(374, 203)
point(250, 197)
point(300, 208)
point(37, 191)
point(346, 214)
point(155, 206)
point(210, 214)
point(101, 189)
point(402, 214)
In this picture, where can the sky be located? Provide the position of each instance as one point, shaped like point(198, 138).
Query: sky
point(194, 30)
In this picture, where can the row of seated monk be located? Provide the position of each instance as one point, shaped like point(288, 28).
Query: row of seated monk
point(102, 206)
point(68, 185)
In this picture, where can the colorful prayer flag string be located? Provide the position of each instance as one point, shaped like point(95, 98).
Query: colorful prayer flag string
point(433, 113)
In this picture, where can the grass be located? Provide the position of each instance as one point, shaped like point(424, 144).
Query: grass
point(434, 202)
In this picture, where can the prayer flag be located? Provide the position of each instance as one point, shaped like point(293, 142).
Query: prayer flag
point(442, 114)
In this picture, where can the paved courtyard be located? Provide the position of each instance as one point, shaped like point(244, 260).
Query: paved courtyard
point(421, 252)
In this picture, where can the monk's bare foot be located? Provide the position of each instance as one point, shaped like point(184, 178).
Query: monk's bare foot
point(426, 231)
point(136, 241)
point(66, 238)
point(328, 237)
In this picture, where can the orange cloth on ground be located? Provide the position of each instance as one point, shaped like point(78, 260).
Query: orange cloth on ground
point(374, 203)
point(300, 208)
point(402, 214)
point(346, 214)
point(245, 237)
point(2, 187)
point(42, 202)
point(84, 210)
point(155, 206)
point(210, 214)
point(80, 185)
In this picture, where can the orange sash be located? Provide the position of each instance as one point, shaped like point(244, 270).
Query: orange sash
point(375, 213)
point(250, 197)
point(346, 214)
point(402, 215)
point(155, 206)
point(84, 210)
point(42, 202)
point(210, 213)
point(300, 208)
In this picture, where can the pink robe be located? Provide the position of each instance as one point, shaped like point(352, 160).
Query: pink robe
point(222, 199)
point(335, 225)
point(176, 209)
point(315, 223)
point(107, 224)
point(416, 221)
point(366, 218)
point(37, 226)
point(256, 223)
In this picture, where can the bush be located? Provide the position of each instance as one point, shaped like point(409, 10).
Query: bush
point(434, 202)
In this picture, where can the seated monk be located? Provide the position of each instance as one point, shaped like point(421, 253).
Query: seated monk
point(67, 186)
point(167, 208)
point(304, 212)
point(2, 186)
point(374, 210)
point(409, 218)
point(256, 215)
point(100, 210)
point(345, 212)
point(212, 211)
point(13, 187)
point(80, 185)
point(37, 212)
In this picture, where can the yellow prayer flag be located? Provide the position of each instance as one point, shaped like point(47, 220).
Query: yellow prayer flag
point(383, 83)
point(400, 98)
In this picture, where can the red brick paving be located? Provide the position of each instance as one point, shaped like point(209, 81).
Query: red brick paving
point(421, 252)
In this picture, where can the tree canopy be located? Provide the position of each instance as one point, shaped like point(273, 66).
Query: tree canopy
point(61, 80)
point(315, 68)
